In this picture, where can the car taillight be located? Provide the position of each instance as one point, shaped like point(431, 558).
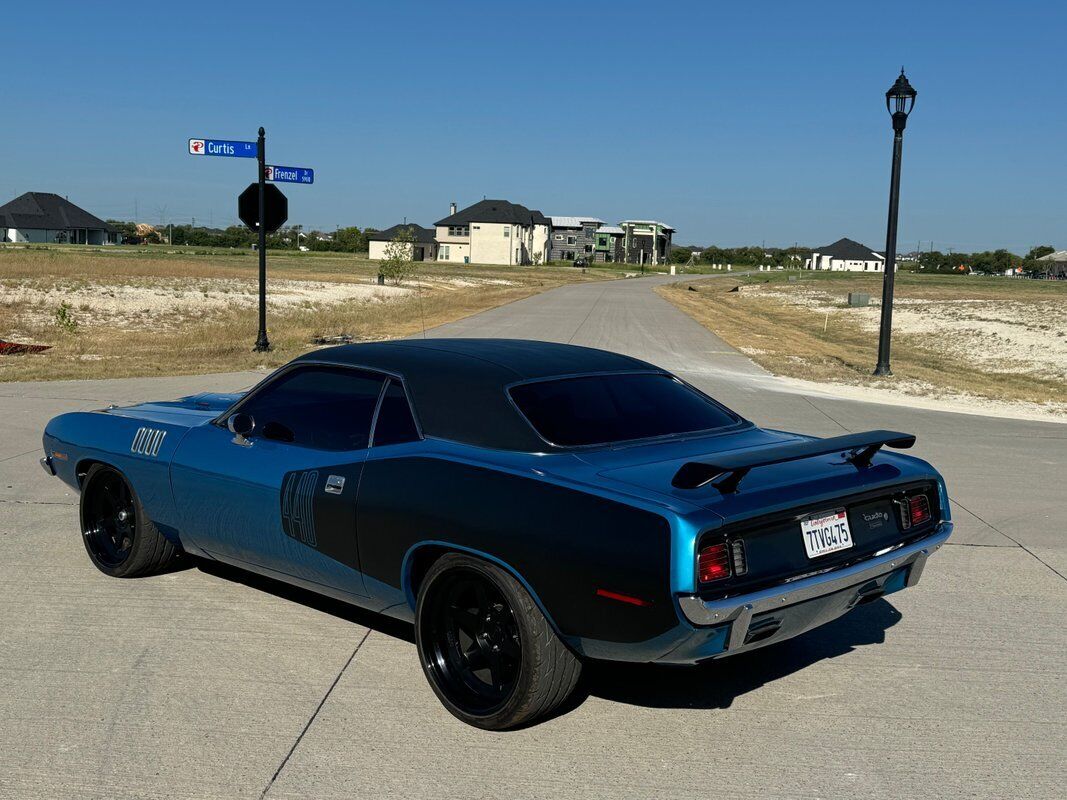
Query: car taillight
point(914, 510)
point(919, 509)
point(713, 563)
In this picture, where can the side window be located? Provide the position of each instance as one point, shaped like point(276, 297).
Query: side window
point(395, 423)
point(326, 408)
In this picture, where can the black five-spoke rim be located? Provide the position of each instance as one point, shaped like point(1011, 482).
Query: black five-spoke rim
point(108, 519)
point(473, 642)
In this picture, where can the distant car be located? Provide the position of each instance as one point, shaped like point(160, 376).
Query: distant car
point(526, 505)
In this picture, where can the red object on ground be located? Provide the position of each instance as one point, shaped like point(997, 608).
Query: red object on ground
point(14, 348)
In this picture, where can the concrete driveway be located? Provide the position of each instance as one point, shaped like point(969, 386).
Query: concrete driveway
point(213, 683)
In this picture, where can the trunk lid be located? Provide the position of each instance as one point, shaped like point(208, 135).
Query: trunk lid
point(766, 511)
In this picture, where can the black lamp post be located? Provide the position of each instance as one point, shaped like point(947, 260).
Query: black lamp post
point(899, 100)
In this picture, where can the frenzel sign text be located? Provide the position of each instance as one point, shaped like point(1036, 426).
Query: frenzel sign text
point(222, 147)
point(289, 174)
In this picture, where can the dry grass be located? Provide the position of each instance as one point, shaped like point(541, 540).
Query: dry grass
point(953, 335)
point(196, 313)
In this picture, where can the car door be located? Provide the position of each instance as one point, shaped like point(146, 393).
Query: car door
point(283, 497)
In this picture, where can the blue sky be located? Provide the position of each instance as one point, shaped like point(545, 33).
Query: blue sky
point(735, 122)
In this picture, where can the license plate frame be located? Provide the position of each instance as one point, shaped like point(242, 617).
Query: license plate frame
point(825, 533)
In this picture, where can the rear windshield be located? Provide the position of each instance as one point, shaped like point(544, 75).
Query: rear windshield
point(599, 409)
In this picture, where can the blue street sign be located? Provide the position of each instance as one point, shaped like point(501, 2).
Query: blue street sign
point(290, 174)
point(222, 147)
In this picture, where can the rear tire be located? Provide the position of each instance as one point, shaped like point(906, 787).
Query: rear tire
point(118, 535)
point(488, 652)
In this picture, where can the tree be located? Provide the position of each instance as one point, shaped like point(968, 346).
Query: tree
point(1031, 263)
point(680, 255)
point(350, 240)
point(398, 256)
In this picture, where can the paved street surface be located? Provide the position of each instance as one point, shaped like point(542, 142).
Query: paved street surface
point(210, 683)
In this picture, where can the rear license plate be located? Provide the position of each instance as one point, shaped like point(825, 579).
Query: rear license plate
point(826, 534)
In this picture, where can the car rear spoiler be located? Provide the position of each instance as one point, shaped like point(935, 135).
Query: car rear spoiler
point(726, 471)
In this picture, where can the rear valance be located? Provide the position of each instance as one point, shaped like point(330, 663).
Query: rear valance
point(726, 471)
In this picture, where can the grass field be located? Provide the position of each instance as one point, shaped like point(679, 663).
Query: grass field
point(971, 337)
point(123, 312)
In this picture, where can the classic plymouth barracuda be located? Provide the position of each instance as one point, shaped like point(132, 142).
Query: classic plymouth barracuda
point(526, 505)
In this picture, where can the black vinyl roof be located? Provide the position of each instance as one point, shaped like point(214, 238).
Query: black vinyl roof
point(458, 385)
point(47, 211)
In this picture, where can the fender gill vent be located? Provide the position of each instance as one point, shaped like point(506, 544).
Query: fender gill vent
point(147, 441)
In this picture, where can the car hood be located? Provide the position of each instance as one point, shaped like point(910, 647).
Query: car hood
point(187, 411)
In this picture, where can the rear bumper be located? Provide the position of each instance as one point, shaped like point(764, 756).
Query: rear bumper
point(835, 591)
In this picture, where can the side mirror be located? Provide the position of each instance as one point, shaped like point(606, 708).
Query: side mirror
point(240, 425)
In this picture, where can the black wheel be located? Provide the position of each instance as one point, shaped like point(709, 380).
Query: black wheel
point(487, 650)
point(119, 537)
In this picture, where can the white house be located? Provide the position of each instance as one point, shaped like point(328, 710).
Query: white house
point(845, 255)
point(493, 232)
point(424, 247)
point(47, 218)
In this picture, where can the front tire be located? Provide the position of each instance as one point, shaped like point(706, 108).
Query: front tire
point(488, 652)
point(118, 535)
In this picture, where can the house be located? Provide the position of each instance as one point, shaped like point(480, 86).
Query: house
point(608, 244)
point(47, 218)
point(646, 241)
point(424, 247)
point(493, 232)
point(845, 255)
point(573, 237)
point(1054, 265)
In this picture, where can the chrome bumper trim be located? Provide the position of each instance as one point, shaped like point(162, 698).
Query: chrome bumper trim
point(740, 610)
point(46, 465)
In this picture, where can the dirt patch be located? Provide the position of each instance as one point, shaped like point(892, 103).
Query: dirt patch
point(169, 302)
point(116, 313)
point(1004, 335)
point(963, 340)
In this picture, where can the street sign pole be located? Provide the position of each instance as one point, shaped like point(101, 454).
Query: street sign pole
point(262, 343)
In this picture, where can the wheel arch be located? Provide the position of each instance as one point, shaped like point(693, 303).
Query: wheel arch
point(81, 470)
point(422, 555)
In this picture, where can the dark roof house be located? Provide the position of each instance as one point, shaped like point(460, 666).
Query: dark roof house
point(47, 217)
point(846, 255)
point(849, 250)
point(420, 233)
point(495, 211)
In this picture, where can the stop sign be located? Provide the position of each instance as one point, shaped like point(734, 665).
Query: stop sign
point(275, 207)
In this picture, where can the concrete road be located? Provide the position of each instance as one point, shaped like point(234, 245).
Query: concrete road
point(211, 683)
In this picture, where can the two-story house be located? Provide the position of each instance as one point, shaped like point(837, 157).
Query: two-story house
point(573, 237)
point(646, 241)
point(493, 232)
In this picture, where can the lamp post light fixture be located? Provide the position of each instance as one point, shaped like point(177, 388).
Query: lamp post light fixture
point(899, 101)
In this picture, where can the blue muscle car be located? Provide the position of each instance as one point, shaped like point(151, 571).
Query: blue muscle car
point(526, 505)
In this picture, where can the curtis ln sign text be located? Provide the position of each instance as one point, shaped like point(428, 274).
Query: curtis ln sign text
point(222, 147)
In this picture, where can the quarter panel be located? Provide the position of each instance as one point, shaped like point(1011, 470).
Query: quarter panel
point(563, 542)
